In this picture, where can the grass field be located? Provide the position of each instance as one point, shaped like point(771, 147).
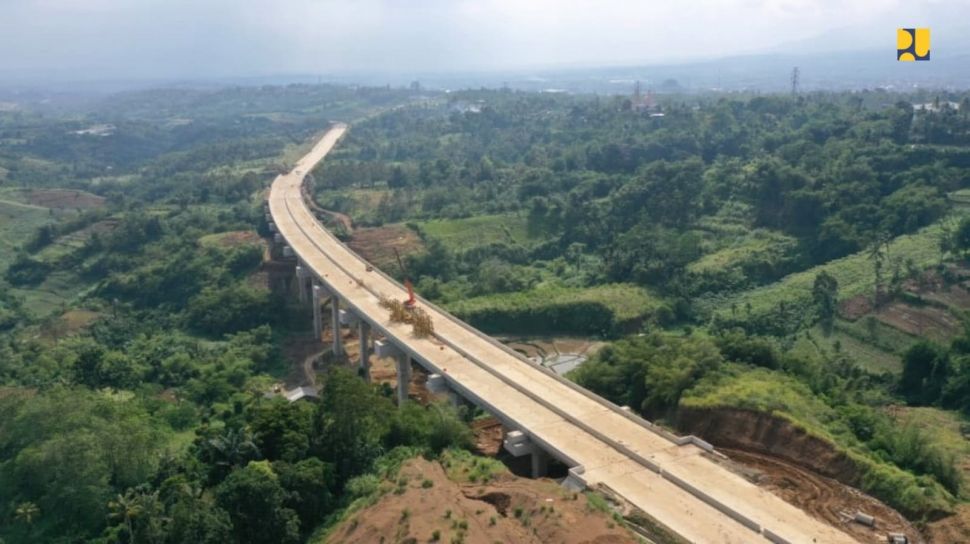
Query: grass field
point(58, 289)
point(871, 357)
point(946, 428)
point(603, 311)
point(457, 234)
point(740, 248)
point(626, 301)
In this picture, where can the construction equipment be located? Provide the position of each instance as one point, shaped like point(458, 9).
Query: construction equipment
point(411, 302)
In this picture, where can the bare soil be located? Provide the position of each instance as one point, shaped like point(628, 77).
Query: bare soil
point(377, 245)
point(855, 307)
point(62, 199)
point(804, 470)
point(951, 529)
point(507, 510)
point(238, 238)
point(488, 436)
point(824, 498)
point(543, 348)
point(78, 319)
point(926, 321)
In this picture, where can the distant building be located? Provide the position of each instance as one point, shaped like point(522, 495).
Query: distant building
point(302, 393)
point(643, 102)
point(936, 106)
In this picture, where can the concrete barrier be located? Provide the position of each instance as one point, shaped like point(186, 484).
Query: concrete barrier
point(575, 479)
point(774, 537)
point(723, 508)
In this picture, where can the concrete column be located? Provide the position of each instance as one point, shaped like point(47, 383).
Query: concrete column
point(518, 444)
point(338, 343)
point(385, 349)
point(301, 282)
point(437, 385)
point(540, 463)
point(403, 377)
point(363, 331)
point(317, 317)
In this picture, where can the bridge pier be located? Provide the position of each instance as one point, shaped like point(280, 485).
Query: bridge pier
point(437, 385)
point(363, 331)
point(338, 341)
point(301, 282)
point(317, 311)
point(518, 444)
point(385, 349)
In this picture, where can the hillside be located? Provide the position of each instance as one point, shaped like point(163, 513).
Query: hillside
point(459, 500)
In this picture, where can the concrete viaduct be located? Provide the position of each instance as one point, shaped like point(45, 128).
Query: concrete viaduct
point(672, 479)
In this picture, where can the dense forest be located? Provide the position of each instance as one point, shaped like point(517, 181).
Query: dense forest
point(151, 423)
point(714, 243)
point(694, 206)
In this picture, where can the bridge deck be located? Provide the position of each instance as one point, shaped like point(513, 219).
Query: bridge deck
point(571, 423)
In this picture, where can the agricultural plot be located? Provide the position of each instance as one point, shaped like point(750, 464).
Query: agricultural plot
point(604, 310)
point(854, 273)
point(56, 199)
point(459, 234)
point(64, 245)
point(18, 222)
point(56, 291)
point(867, 354)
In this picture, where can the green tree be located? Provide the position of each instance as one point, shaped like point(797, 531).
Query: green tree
point(352, 419)
point(254, 499)
point(926, 367)
point(282, 430)
point(825, 293)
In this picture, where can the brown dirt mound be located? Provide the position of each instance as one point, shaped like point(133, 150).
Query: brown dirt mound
point(488, 436)
point(955, 528)
point(423, 503)
point(377, 245)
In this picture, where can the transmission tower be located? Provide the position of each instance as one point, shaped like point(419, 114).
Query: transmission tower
point(794, 80)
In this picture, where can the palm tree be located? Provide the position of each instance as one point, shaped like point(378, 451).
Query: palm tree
point(235, 447)
point(126, 508)
point(27, 512)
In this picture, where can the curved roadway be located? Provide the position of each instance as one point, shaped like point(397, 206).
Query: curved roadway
point(614, 447)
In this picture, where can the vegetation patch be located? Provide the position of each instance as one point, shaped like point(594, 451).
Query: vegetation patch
point(461, 234)
point(792, 295)
point(604, 310)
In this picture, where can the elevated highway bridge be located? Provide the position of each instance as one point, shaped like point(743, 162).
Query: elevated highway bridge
point(672, 479)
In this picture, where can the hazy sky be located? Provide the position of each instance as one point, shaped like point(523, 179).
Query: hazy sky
point(192, 38)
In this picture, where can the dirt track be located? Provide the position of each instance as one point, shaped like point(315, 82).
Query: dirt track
point(823, 497)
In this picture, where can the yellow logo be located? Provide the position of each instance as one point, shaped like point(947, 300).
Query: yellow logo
point(912, 44)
